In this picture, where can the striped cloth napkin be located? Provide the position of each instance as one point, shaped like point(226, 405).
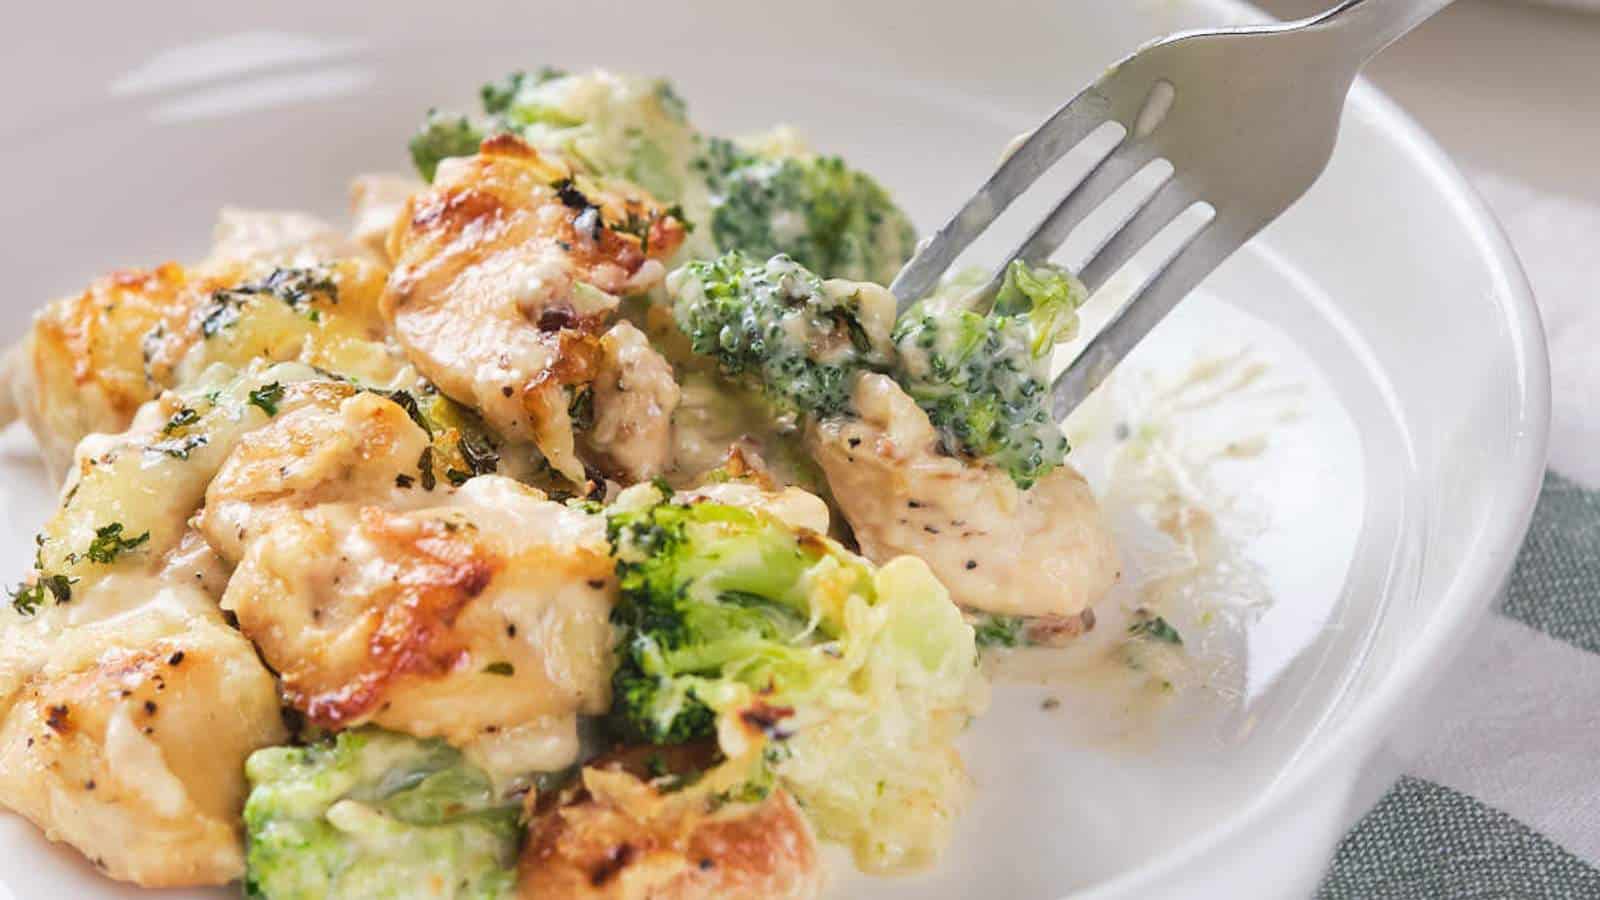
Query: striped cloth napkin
point(1501, 796)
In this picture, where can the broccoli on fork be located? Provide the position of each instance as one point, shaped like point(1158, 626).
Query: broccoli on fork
point(984, 380)
point(802, 340)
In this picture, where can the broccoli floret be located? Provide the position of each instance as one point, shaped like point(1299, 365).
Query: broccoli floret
point(778, 326)
point(763, 198)
point(443, 136)
point(847, 683)
point(613, 126)
point(701, 586)
point(828, 217)
point(375, 814)
point(984, 380)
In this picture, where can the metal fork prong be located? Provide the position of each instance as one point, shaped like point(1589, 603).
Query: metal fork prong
point(1169, 283)
point(1064, 130)
point(1136, 230)
point(1085, 197)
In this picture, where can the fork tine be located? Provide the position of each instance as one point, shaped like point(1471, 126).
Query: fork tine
point(1064, 130)
point(1200, 253)
point(1169, 201)
point(1085, 197)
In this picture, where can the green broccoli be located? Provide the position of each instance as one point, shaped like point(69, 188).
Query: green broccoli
point(984, 380)
point(830, 218)
point(374, 814)
point(764, 198)
point(441, 137)
point(703, 586)
point(800, 339)
point(614, 126)
point(852, 681)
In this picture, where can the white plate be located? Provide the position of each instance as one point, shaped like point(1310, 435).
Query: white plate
point(1392, 503)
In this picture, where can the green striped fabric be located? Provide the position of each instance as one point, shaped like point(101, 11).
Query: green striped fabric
point(1426, 840)
point(1556, 585)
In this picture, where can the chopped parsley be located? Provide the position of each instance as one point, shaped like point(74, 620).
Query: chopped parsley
point(178, 447)
point(425, 469)
point(183, 418)
point(1155, 628)
point(266, 398)
point(408, 402)
point(296, 287)
point(478, 454)
point(999, 631)
point(27, 598)
point(500, 668)
point(109, 543)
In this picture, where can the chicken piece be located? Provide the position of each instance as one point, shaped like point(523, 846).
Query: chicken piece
point(128, 715)
point(376, 202)
point(634, 399)
point(361, 447)
point(147, 482)
point(506, 273)
point(618, 838)
point(483, 620)
point(90, 361)
point(1041, 552)
point(81, 369)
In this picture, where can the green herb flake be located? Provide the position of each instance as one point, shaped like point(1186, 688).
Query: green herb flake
point(178, 448)
point(1155, 628)
point(109, 543)
point(500, 667)
point(181, 419)
point(267, 397)
point(999, 631)
point(425, 469)
point(27, 598)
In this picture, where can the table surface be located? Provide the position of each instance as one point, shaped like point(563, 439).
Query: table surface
point(1507, 87)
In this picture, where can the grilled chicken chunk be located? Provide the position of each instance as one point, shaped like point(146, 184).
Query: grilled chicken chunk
point(127, 717)
point(506, 275)
point(1041, 552)
point(90, 361)
point(383, 595)
point(618, 838)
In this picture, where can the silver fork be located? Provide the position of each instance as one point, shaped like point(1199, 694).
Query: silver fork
point(1246, 117)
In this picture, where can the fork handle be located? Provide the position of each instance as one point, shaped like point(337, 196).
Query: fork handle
point(1368, 26)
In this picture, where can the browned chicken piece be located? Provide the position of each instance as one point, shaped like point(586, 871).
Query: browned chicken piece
point(128, 716)
point(91, 360)
point(341, 446)
point(1041, 552)
point(634, 399)
point(507, 272)
point(618, 838)
point(81, 367)
point(477, 614)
